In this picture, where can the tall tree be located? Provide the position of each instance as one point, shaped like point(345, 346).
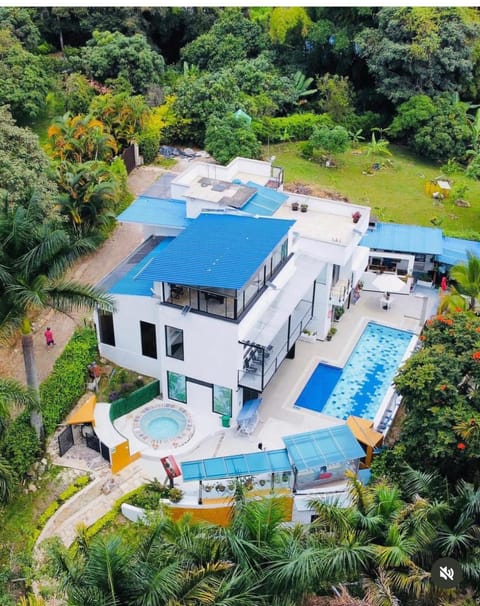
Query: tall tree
point(34, 255)
point(231, 38)
point(111, 55)
point(407, 53)
point(25, 78)
point(24, 164)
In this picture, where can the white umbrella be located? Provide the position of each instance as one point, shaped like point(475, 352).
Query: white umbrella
point(389, 283)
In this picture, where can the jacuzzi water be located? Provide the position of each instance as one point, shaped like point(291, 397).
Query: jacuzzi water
point(163, 423)
point(360, 386)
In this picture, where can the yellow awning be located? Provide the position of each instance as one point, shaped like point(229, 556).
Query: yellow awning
point(85, 414)
point(363, 431)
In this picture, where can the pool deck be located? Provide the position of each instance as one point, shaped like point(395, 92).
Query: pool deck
point(278, 415)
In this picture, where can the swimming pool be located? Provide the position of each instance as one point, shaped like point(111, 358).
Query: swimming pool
point(163, 424)
point(359, 388)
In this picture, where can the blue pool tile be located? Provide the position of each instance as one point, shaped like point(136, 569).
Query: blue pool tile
point(361, 386)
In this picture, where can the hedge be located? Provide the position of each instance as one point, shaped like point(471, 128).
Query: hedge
point(20, 445)
point(297, 127)
point(66, 384)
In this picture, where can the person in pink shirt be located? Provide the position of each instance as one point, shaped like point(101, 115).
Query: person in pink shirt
point(48, 334)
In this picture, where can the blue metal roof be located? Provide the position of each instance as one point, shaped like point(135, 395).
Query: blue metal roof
point(455, 250)
point(156, 211)
point(133, 283)
point(253, 463)
point(265, 202)
point(323, 447)
point(395, 237)
point(218, 250)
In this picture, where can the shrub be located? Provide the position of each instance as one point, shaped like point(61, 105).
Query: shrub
point(175, 495)
point(148, 143)
point(20, 445)
point(66, 383)
point(297, 127)
point(47, 514)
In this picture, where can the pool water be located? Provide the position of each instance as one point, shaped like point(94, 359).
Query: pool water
point(163, 424)
point(359, 388)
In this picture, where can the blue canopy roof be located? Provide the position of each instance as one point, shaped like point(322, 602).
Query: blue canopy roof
point(156, 211)
point(395, 237)
point(455, 250)
point(253, 463)
point(314, 449)
point(218, 250)
point(133, 283)
point(265, 202)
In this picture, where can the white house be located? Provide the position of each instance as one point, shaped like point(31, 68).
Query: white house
point(227, 278)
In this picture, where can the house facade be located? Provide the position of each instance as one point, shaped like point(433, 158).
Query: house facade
point(226, 280)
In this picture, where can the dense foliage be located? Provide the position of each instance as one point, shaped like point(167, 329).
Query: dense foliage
point(66, 383)
point(382, 544)
point(439, 385)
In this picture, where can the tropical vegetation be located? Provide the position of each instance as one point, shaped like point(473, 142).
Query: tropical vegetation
point(358, 88)
point(382, 545)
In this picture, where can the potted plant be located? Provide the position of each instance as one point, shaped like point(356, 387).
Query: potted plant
point(308, 335)
point(331, 332)
point(356, 216)
point(303, 208)
point(220, 488)
point(295, 205)
point(175, 495)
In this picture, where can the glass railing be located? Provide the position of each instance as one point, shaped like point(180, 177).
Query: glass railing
point(261, 363)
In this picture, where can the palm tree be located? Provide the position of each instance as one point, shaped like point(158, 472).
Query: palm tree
point(467, 278)
point(12, 394)
point(380, 537)
point(80, 139)
point(452, 302)
point(35, 252)
point(88, 194)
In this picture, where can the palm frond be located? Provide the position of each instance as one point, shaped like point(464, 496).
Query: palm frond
point(68, 296)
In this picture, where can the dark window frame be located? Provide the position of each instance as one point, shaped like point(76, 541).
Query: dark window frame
point(148, 339)
point(180, 347)
point(106, 328)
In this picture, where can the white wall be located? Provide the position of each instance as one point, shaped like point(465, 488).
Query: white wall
point(212, 352)
point(128, 346)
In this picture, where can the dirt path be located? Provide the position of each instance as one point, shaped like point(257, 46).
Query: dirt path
point(89, 270)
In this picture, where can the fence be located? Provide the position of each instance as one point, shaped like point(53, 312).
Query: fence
point(141, 396)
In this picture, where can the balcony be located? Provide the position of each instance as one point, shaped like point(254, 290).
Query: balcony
point(261, 361)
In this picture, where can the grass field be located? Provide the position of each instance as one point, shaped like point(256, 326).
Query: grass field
point(395, 193)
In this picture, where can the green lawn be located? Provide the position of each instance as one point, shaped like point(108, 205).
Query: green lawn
point(395, 193)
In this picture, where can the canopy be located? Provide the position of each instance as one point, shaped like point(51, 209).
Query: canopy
point(249, 409)
point(390, 283)
point(85, 414)
point(252, 463)
point(363, 430)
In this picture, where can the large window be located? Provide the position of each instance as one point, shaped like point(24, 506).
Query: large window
point(149, 339)
point(174, 342)
point(105, 327)
point(177, 387)
point(222, 400)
